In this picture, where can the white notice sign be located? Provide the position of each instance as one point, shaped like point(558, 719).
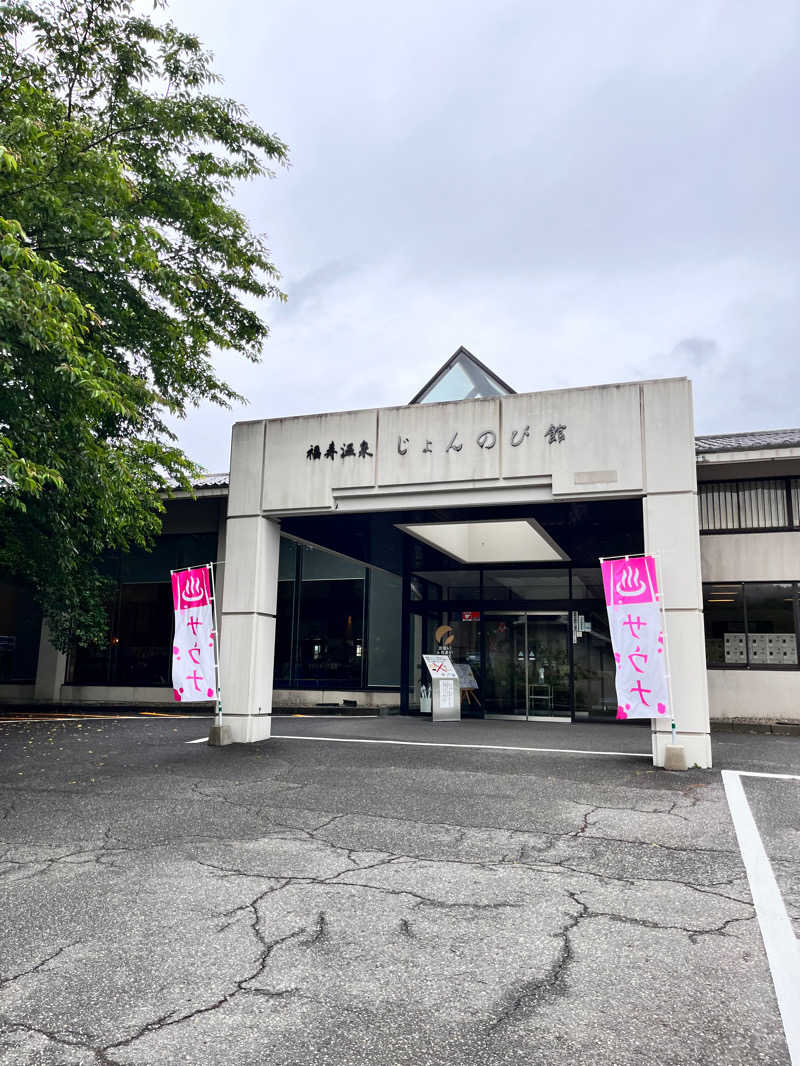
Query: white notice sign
point(446, 695)
point(440, 666)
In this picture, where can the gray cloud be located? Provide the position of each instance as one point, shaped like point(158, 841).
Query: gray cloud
point(696, 350)
point(578, 193)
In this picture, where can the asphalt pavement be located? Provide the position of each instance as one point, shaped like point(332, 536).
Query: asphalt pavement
point(340, 901)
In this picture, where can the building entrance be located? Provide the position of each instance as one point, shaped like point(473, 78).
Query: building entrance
point(530, 664)
point(527, 673)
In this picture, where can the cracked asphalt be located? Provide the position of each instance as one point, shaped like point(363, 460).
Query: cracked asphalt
point(306, 902)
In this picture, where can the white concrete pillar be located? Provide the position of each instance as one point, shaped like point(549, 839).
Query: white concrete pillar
point(51, 670)
point(671, 531)
point(219, 576)
point(249, 596)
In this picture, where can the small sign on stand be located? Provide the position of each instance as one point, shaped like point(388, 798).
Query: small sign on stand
point(467, 683)
point(446, 693)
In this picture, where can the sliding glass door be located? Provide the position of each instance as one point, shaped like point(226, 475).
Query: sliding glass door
point(527, 665)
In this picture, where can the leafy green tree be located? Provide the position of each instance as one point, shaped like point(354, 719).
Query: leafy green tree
point(123, 268)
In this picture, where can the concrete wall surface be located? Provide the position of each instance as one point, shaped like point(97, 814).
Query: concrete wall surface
point(287, 697)
point(759, 695)
point(750, 556)
point(123, 695)
point(317, 462)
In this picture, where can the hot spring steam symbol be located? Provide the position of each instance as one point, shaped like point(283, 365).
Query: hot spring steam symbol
point(193, 591)
point(630, 582)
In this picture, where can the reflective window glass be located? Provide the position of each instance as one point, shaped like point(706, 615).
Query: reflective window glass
point(587, 584)
point(20, 628)
point(138, 650)
point(771, 637)
point(448, 584)
point(723, 615)
point(319, 565)
point(526, 584)
point(143, 640)
point(385, 622)
point(464, 379)
point(331, 633)
point(284, 618)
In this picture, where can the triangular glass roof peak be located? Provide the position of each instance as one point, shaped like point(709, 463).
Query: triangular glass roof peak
point(463, 377)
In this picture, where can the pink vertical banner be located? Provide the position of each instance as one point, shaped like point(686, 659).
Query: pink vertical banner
point(637, 636)
point(194, 675)
point(629, 581)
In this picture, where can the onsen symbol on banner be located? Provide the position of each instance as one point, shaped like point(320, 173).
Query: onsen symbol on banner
point(193, 592)
point(631, 583)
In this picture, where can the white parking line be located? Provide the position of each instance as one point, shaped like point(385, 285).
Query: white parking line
point(481, 747)
point(780, 943)
point(757, 773)
point(442, 744)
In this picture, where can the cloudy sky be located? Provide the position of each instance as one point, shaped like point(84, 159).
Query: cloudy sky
point(578, 193)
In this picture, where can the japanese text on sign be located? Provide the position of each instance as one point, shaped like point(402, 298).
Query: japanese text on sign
point(344, 451)
point(486, 439)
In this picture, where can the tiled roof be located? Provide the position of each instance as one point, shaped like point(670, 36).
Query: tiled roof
point(212, 481)
point(207, 481)
point(740, 442)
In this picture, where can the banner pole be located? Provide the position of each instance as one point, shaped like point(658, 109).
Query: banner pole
point(198, 566)
point(663, 613)
point(218, 711)
point(647, 581)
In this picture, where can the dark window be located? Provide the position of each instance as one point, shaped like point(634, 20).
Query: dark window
point(92, 665)
point(385, 623)
point(446, 585)
point(723, 615)
point(140, 640)
point(763, 503)
point(140, 614)
point(20, 630)
point(751, 625)
point(322, 637)
point(587, 583)
point(284, 621)
point(144, 636)
point(594, 669)
point(330, 646)
point(771, 637)
point(540, 584)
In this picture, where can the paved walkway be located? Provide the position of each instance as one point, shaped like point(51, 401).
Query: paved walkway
point(632, 738)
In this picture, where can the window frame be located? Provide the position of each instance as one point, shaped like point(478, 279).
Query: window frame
point(747, 665)
point(791, 492)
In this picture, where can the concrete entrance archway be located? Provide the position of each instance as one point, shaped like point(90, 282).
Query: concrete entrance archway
point(615, 442)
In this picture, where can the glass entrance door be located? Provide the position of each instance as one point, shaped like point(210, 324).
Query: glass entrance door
point(527, 665)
